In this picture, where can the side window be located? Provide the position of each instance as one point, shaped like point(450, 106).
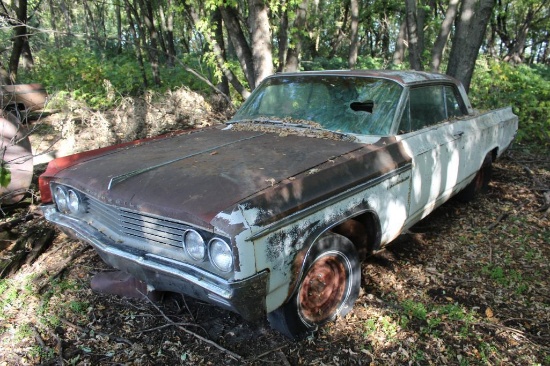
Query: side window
point(428, 106)
point(454, 109)
point(405, 124)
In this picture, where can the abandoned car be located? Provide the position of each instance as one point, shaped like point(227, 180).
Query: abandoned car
point(272, 212)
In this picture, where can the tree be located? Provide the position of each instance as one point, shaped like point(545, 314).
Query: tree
point(413, 32)
point(292, 60)
point(354, 36)
point(260, 40)
point(399, 53)
point(470, 32)
point(240, 44)
point(521, 24)
point(443, 36)
point(17, 19)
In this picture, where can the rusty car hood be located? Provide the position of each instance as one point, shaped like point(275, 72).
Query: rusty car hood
point(193, 177)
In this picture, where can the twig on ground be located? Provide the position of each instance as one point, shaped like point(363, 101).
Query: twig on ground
point(187, 307)
point(199, 337)
point(37, 336)
point(498, 220)
point(65, 264)
point(166, 326)
point(278, 349)
point(11, 224)
point(87, 331)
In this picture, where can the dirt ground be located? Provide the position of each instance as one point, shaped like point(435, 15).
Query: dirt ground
point(468, 285)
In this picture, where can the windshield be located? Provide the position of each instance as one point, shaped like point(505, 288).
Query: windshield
point(344, 104)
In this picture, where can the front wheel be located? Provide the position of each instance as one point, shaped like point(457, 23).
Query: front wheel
point(328, 288)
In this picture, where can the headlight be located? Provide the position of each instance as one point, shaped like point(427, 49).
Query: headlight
point(61, 198)
point(75, 203)
point(221, 255)
point(194, 245)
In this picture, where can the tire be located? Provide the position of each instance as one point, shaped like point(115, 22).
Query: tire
point(328, 288)
point(480, 184)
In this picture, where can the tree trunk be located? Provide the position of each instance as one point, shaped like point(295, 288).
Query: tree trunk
point(148, 19)
point(167, 26)
point(130, 13)
point(53, 24)
point(545, 58)
point(223, 85)
point(470, 32)
point(415, 52)
point(282, 40)
point(21, 47)
point(399, 53)
point(90, 20)
point(293, 53)
point(443, 36)
point(354, 36)
point(118, 28)
point(240, 45)
point(219, 53)
point(261, 40)
point(4, 76)
point(516, 53)
point(386, 27)
point(68, 23)
point(340, 35)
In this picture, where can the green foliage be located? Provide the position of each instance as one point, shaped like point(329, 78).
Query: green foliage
point(415, 309)
point(338, 63)
point(101, 80)
point(5, 174)
point(525, 88)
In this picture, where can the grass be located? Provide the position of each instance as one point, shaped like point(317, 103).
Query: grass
point(468, 288)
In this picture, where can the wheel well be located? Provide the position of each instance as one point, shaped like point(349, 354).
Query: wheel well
point(363, 231)
point(494, 154)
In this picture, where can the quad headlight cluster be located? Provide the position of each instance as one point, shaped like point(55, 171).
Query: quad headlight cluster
point(217, 250)
point(69, 200)
point(197, 246)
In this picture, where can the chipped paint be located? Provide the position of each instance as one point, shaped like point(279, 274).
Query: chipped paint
point(274, 194)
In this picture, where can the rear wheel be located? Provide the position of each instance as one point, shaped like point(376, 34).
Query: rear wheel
point(328, 288)
point(480, 184)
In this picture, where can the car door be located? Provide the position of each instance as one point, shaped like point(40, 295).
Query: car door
point(429, 132)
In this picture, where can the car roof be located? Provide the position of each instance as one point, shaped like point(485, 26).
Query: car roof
point(405, 78)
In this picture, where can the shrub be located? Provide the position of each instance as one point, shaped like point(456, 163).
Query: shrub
point(525, 88)
point(101, 81)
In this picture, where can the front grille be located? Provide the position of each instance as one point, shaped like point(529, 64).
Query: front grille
point(137, 225)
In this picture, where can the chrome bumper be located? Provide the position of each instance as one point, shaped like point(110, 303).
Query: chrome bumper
point(245, 297)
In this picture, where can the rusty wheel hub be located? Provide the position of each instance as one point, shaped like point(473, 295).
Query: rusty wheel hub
point(322, 290)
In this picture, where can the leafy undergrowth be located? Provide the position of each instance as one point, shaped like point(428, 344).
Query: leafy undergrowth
point(469, 285)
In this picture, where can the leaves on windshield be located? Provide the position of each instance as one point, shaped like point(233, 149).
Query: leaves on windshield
point(289, 126)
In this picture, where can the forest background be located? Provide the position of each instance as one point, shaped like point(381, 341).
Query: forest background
point(466, 286)
point(99, 52)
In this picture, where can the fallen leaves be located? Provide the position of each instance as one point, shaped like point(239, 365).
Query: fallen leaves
point(469, 284)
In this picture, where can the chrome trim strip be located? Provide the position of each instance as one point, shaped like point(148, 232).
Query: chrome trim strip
point(244, 296)
point(106, 245)
point(296, 216)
